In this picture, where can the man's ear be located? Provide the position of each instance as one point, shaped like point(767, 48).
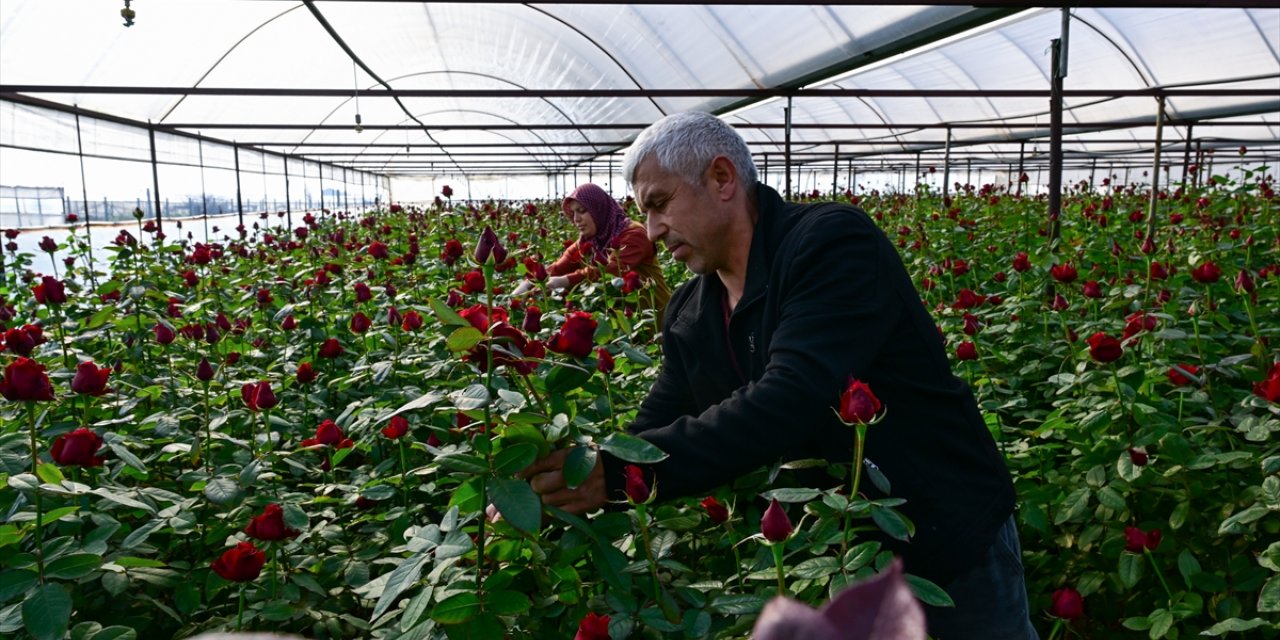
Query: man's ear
point(722, 178)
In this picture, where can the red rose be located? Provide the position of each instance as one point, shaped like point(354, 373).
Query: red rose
point(264, 297)
point(1269, 388)
point(378, 250)
point(1135, 539)
point(1206, 273)
point(716, 512)
point(77, 448)
point(1137, 323)
point(48, 244)
point(1067, 604)
point(360, 323)
point(305, 374)
point(289, 323)
point(452, 251)
point(775, 525)
point(1158, 271)
point(446, 191)
point(532, 320)
point(1104, 348)
point(477, 315)
point(258, 397)
point(1092, 289)
point(473, 282)
point(631, 282)
point(90, 380)
point(331, 348)
point(269, 525)
point(593, 627)
point(1177, 374)
point(1021, 262)
point(363, 293)
point(858, 405)
point(1138, 457)
point(1064, 273)
point(397, 428)
point(164, 333)
point(971, 324)
point(26, 380)
point(412, 321)
point(22, 340)
point(604, 361)
point(489, 246)
point(1244, 282)
point(576, 336)
point(240, 563)
point(967, 351)
point(50, 291)
point(637, 488)
point(327, 433)
point(393, 317)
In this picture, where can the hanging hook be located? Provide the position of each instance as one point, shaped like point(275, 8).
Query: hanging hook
point(128, 14)
point(355, 83)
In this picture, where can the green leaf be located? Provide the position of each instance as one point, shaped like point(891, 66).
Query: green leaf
point(424, 400)
point(1178, 516)
point(1137, 623)
point(123, 499)
point(507, 603)
point(130, 561)
point(403, 577)
point(632, 449)
point(1235, 524)
point(378, 492)
point(860, 555)
point(73, 566)
point(463, 462)
point(1112, 499)
point(737, 605)
point(518, 503)
point(893, 523)
point(1188, 566)
point(520, 433)
point(222, 491)
point(15, 582)
point(463, 339)
point(1271, 557)
point(456, 608)
point(514, 458)
point(565, 378)
point(1073, 506)
point(1161, 622)
point(295, 518)
point(1269, 597)
point(791, 495)
point(455, 544)
point(482, 627)
point(578, 465)
point(815, 568)
point(114, 632)
point(123, 452)
point(46, 612)
point(416, 608)
point(1232, 625)
point(475, 396)
point(446, 315)
point(9, 534)
point(1131, 568)
point(928, 592)
point(653, 617)
point(100, 317)
point(139, 535)
point(49, 473)
point(57, 514)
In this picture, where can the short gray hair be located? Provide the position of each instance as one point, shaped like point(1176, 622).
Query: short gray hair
point(686, 143)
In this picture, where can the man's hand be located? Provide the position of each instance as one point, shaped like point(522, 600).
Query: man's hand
point(557, 282)
point(546, 476)
point(523, 288)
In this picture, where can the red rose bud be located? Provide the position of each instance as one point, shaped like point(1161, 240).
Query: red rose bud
point(90, 380)
point(716, 512)
point(1269, 388)
point(1092, 289)
point(967, 351)
point(77, 448)
point(446, 191)
point(164, 334)
point(378, 250)
point(775, 525)
point(452, 251)
point(240, 563)
point(393, 317)
point(1244, 282)
point(1177, 375)
point(1138, 457)
point(631, 282)
point(1135, 539)
point(473, 282)
point(331, 348)
point(327, 433)
point(477, 315)
point(858, 405)
point(269, 525)
point(363, 293)
point(264, 297)
point(604, 361)
point(47, 244)
point(1104, 348)
point(204, 371)
point(289, 323)
point(489, 245)
point(360, 323)
point(23, 340)
point(258, 397)
point(1206, 273)
point(305, 374)
point(576, 336)
point(593, 627)
point(532, 320)
point(1067, 604)
point(1021, 262)
point(26, 380)
point(1148, 246)
point(637, 488)
point(1064, 273)
point(397, 428)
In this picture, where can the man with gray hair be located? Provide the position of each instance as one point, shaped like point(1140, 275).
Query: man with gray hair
point(790, 302)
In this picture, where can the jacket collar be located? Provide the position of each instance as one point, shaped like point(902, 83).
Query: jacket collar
point(771, 218)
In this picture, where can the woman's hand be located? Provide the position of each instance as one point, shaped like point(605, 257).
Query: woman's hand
point(557, 282)
point(523, 288)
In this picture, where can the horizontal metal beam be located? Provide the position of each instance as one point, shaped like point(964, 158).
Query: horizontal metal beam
point(635, 93)
point(638, 126)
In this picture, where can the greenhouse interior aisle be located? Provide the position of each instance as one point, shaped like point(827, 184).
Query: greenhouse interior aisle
point(292, 293)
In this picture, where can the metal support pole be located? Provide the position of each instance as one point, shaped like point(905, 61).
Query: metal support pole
point(1186, 156)
point(1093, 169)
point(787, 148)
point(765, 174)
point(204, 194)
point(1195, 180)
point(288, 206)
point(84, 193)
point(320, 174)
point(239, 195)
point(1022, 152)
point(853, 178)
point(835, 171)
point(918, 175)
point(1155, 168)
point(1059, 68)
point(946, 168)
point(155, 176)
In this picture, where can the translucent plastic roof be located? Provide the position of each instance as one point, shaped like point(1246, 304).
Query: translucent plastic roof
point(520, 50)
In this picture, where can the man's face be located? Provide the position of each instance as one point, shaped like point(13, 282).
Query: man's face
point(682, 216)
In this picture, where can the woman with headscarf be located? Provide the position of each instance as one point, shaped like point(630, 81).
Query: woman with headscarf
point(607, 239)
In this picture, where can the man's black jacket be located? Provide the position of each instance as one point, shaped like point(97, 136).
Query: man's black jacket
point(826, 298)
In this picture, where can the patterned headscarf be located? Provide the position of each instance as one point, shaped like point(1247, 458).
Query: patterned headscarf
point(605, 212)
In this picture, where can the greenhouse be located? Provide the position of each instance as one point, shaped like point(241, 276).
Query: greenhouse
point(384, 319)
